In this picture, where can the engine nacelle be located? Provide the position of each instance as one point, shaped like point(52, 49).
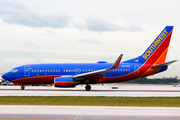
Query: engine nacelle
point(64, 82)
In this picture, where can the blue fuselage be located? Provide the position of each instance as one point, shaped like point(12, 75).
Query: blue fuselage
point(46, 70)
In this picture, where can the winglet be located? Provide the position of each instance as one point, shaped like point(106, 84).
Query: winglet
point(116, 64)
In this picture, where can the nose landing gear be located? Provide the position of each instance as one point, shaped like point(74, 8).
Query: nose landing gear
point(22, 87)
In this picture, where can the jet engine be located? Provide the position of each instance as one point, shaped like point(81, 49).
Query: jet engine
point(64, 82)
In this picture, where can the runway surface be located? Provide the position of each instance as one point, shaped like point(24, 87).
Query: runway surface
point(97, 90)
point(88, 112)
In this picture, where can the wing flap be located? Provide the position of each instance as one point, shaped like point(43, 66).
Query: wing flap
point(114, 66)
point(90, 73)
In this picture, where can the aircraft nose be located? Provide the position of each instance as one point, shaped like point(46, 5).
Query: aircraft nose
point(5, 76)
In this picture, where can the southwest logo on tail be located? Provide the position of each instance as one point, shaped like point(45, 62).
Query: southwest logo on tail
point(158, 49)
point(152, 61)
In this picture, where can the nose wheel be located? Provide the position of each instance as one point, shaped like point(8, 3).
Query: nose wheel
point(88, 87)
point(22, 87)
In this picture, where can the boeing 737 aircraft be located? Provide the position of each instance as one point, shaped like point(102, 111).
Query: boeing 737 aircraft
point(152, 61)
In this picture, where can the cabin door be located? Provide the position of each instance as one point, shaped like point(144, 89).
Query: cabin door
point(27, 71)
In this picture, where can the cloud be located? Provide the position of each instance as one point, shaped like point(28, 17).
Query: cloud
point(16, 13)
point(37, 60)
point(10, 6)
point(97, 25)
point(49, 33)
point(89, 41)
point(28, 45)
point(132, 28)
point(94, 24)
point(48, 54)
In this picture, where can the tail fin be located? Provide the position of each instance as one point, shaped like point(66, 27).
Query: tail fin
point(157, 51)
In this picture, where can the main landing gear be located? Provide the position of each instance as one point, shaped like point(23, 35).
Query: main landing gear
point(22, 87)
point(88, 87)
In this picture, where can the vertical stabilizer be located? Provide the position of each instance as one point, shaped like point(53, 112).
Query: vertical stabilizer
point(157, 51)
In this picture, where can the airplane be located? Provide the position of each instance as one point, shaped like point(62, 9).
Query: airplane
point(152, 61)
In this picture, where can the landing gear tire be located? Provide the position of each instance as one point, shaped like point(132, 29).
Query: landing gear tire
point(22, 87)
point(88, 87)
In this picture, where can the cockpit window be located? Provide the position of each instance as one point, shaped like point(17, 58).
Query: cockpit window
point(14, 70)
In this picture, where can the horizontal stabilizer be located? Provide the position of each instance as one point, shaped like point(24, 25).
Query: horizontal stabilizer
point(163, 64)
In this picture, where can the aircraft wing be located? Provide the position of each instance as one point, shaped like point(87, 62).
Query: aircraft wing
point(99, 73)
point(163, 64)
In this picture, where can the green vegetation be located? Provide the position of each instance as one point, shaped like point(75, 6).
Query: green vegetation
point(91, 101)
point(164, 80)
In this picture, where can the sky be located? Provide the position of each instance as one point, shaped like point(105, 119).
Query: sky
point(84, 31)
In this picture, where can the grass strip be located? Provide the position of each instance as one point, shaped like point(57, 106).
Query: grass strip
point(91, 101)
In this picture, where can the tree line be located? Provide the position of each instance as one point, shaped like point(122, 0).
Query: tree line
point(164, 80)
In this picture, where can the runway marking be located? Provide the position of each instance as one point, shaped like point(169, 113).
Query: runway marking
point(121, 89)
point(167, 90)
point(149, 95)
point(58, 94)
